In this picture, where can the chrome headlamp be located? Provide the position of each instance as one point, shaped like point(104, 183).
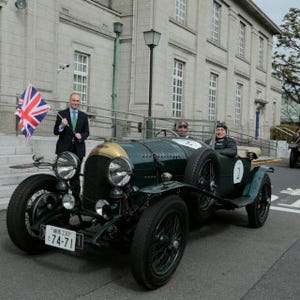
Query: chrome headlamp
point(119, 171)
point(66, 165)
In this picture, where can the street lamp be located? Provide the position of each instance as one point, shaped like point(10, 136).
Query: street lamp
point(152, 38)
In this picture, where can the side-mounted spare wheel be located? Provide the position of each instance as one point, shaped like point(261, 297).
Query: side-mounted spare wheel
point(28, 204)
point(258, 211)
point(202, 170)
point(159, 241)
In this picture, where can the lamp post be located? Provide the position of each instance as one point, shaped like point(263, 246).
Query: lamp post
point(152, 38)
point(118, 29)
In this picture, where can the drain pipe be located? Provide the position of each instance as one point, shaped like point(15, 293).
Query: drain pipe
point(118, 28)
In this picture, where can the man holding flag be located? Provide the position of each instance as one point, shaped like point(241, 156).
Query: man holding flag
point(72, 127)
point(31, 110)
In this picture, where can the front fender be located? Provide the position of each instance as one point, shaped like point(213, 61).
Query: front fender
point(160, 188)
point(252, 188)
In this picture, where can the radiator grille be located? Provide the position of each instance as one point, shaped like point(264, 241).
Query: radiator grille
point(95, 185)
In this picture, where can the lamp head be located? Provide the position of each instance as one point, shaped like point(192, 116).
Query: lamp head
point(20, 4)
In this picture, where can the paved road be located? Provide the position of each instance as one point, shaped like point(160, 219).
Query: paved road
point(223, 260)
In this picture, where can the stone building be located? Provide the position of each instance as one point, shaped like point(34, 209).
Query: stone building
point(213, 60)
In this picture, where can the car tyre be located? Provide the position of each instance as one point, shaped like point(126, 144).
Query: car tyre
point(159, 242)
point(293, 158)
point(24, 207)
point(258, 211)
point(202, 171)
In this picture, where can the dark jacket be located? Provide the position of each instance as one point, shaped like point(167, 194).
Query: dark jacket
point(226, 146)
point(66, 140)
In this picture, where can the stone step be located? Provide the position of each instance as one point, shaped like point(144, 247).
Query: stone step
point(12, 149)
point(7, 190)
point(15, 159)
point(3, 203)
point(16, 178)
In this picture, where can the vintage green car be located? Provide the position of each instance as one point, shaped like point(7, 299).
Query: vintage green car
point(139, 195)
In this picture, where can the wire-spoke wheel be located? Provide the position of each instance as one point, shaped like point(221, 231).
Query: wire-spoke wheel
point(159, 241)
point(258, 211)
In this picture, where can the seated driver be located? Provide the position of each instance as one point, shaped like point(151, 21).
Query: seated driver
point(224, 144)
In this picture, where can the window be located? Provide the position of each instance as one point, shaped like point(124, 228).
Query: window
point(242, 40)
point(180, 11)
point(261, 53)
point(215, 29)
point(177, 88)
point(238, 102)
point(80, 79)
point(212, 96)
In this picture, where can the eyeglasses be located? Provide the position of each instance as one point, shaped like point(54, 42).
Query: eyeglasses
point(182, 126)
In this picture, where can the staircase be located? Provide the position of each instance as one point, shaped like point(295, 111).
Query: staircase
point(14, 150)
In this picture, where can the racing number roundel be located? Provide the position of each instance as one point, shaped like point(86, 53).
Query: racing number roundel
point(238, 171)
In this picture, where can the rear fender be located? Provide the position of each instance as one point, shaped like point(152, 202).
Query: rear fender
point(253, 185)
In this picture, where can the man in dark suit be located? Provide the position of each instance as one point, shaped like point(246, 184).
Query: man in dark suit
point(72, 127)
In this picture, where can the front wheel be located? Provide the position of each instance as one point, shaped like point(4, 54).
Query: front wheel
point(258, 211)
point(27, 207)
point(159, 241)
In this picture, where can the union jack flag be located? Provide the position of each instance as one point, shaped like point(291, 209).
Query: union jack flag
point(31, 110)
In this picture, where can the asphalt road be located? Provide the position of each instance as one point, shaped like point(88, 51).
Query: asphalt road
point(224, 259)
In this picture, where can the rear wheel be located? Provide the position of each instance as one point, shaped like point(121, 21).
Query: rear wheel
point(258, 211)
point(30, 203)
point(159, 242)
point(293, 158)
point(201, 170)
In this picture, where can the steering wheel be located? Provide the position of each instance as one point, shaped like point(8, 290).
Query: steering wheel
point(165, 131)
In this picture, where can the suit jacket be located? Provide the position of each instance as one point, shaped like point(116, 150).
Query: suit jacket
point(66, 140)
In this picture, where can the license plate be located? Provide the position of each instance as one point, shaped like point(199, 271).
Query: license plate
point(60, 237)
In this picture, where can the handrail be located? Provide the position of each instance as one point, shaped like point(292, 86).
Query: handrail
point(126, 124)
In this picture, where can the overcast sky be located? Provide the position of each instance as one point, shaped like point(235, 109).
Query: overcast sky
point(276, 9)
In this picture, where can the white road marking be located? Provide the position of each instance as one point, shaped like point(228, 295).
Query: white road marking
point(285, 209)
point(291, 192)
point(295, 204)
point(290, 208)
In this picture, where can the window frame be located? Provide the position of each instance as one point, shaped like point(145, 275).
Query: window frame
point(238, 103)
point(181, 11)
point(212, 96)
point(242, 40)
point(178, 88)
point(216, 23)
point(81, 77)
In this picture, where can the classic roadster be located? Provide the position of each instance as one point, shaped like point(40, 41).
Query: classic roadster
point(139, 195)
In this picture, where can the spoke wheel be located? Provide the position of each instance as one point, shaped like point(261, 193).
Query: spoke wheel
point(30, 203)
point(258, 211)
point(159, 242)
point(202, 171)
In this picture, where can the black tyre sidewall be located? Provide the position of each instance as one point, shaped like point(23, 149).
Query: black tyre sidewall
point(195, 163)
point(252, 209)
point(141, 244)
point(15, 217)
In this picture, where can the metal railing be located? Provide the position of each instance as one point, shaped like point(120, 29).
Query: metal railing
point(107, 123)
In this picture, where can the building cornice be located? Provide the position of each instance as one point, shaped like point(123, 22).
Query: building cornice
point(259, 15)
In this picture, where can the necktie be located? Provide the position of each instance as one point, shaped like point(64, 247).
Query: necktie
point(74, 119)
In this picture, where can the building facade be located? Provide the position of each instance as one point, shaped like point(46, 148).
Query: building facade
point(213, 60)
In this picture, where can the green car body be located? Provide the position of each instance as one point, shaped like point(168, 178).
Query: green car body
point(139, 195)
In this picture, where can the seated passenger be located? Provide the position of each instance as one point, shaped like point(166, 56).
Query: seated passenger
point(182, 129)
point(224, 144)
